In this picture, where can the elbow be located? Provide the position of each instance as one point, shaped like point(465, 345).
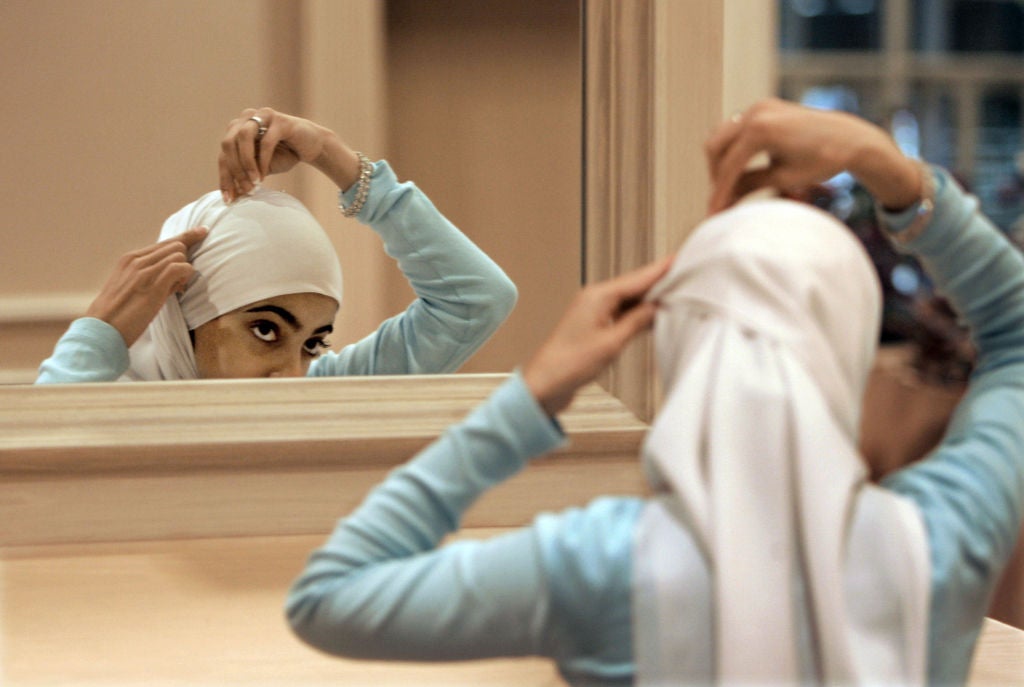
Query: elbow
point(502, 298)
point(334, 632)
point(301, 612)
point(507, 297)
point(332, 619)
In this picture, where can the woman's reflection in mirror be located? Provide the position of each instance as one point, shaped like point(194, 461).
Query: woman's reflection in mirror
point(244, 282)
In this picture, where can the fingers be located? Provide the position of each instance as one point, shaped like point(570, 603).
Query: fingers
point(155, 253)
point(631, 314)
point(635, 320)
point(142, 281)
point(634, 284)
point(720, 140)
point(191, 237)
point(730, 167)
point(172, 277)
point(594, 329)
point(267, 145)
point(239, 168)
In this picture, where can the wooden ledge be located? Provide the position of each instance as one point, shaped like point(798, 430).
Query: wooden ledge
point(233, 425)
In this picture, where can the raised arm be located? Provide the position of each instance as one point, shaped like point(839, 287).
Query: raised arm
point(970, 489)
point(462, 295)
point(381, 587)
point(970, 261)
point(95, 347)
point(792, 147)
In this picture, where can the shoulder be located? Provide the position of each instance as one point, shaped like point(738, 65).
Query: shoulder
point(589, 549)
point(587, 555)
point(90, 351)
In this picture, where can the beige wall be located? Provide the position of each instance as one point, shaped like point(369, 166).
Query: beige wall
point(485, 114)
point(113, 111)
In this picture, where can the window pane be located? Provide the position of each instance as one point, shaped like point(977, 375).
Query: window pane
point(830, 24)
point(995, 178)
point(968, 25)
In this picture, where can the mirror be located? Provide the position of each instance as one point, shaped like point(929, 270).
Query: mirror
point(188, 507)
point(119, 122)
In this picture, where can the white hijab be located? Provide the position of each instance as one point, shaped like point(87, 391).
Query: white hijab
point(768, 558)
point(263, 245)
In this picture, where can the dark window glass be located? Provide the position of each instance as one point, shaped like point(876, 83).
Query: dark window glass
point(997, 178)
point(830, 24)
point(968, 26)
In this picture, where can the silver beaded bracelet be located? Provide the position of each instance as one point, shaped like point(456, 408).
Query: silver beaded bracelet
point(362, 188)
point(925, 207)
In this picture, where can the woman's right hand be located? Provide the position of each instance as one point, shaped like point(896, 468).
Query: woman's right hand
point(141, 283)
point(805, 146)
point(248, 157)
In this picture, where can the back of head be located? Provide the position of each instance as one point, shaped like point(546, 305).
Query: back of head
point(765, 335)
point(789, 272)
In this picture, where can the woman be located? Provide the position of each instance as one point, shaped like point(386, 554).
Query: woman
point(257, 284)
point(765, 555)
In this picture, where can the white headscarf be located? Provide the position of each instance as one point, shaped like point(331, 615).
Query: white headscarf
point(263, 245)
point(768, 558)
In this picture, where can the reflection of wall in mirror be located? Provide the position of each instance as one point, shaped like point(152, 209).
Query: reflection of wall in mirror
point(119, 108)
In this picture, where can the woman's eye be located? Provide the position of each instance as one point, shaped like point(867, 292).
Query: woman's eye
point(315, 346)
point(264, 331)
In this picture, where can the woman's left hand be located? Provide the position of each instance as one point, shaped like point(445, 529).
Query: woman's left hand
point(263, 142)
point(595, 328)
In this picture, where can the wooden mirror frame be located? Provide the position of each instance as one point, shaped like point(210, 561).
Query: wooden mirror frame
point(111, 462)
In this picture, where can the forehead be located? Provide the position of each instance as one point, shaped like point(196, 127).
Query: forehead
point(311, 308)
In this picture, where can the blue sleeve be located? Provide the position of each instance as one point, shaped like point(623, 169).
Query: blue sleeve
point(462, 295)
point(90, 351)
point(970, 489)
point(381, 588)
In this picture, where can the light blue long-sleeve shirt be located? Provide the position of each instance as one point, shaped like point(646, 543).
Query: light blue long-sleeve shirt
point(462, 298)
point(381, 588)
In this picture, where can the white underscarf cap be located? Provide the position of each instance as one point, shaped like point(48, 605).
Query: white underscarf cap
point(263, 245)
point(765, 336)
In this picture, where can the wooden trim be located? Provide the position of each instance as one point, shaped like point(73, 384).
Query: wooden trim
point(123, 462)
point(654, 71)
point(57, 308)
point(619, 164)
point(240, 425)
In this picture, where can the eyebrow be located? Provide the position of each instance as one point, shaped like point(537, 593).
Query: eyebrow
point(288, 317)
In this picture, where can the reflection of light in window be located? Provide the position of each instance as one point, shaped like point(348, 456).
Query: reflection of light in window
point(905, 280)
point(831, 98)
point(906, 132)
point(843, 204)
point(808, 8)
point(857, 6)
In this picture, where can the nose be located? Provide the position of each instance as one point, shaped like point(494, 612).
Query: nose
point(288, 366)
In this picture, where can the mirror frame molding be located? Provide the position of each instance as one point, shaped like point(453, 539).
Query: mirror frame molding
point(644, 134)
point(114, 446)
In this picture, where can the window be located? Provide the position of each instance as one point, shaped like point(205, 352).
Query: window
point(948, 73)
point(946, 78)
